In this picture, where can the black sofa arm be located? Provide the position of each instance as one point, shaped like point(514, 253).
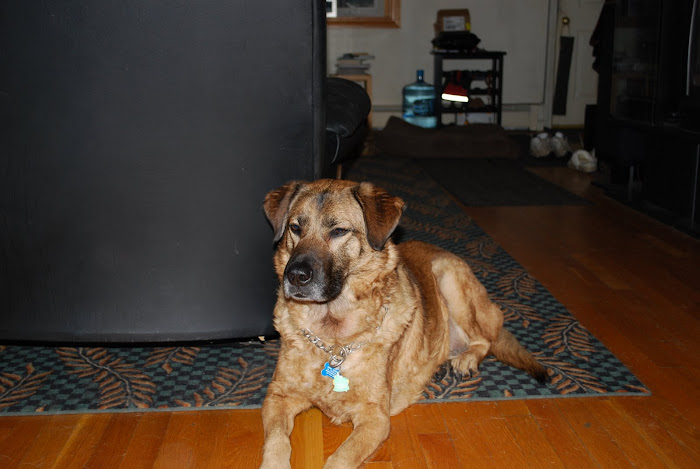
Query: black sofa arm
point(347, 108)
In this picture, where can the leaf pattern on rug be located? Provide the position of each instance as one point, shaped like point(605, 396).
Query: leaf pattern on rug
point(272, 348)
point(122, 385)
point(230, 386)
point(565, 333)
point(448, 234)
point(514, 311)
point(15, 388)
point(480, 268)
point(568, 378)
point(634, 389)
point(167, 355)
point(451, 386)
point(518, 282)
point(483, 247)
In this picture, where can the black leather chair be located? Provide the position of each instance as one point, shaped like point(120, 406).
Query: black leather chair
point(347, 108)
point(137, 143)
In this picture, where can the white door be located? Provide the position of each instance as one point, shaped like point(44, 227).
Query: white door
point(582, 17)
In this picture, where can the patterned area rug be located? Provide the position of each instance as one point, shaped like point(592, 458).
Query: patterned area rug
point(80, 379)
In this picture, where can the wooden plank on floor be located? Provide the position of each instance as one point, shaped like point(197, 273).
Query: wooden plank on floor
point(83, 441)
point(307, 440)
point(636, 412)
point(633, 445)
point(110, 449)
point(147, 438)
point(19, 433)
point(565, 442)
point(403, 446)
point(49, 441)
point(600, 444)
point(438, 451)
point(481, 436)
point(522, 424)
point(178, 447)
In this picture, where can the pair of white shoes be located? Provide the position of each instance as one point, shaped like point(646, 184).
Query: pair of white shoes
point(542, 145)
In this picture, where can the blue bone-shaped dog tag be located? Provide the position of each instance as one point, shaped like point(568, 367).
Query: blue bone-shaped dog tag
point(329, 371)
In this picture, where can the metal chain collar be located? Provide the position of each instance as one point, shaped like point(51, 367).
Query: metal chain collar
point(336, 359)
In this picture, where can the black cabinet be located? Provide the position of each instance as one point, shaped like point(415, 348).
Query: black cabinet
point(649, 104)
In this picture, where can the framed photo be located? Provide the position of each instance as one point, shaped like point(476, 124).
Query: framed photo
point(331, 8)
point(367, 13)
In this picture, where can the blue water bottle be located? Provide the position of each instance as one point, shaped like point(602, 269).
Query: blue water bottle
point(419, 102)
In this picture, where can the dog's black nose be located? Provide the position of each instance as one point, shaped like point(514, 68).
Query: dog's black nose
point(299, 274)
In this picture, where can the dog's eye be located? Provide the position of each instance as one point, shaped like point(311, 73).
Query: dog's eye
point(294, 228)
point(338, 232)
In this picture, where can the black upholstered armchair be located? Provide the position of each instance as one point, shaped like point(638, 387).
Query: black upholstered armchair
point(138, 141)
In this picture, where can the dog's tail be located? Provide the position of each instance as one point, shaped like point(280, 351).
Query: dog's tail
point(511, 352)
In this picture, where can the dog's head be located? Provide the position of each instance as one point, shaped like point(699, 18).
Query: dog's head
point(324, 229)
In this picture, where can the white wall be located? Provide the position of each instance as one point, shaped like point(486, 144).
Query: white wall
point(518, 27)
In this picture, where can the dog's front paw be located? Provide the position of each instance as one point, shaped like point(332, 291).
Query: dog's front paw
point(276, 454)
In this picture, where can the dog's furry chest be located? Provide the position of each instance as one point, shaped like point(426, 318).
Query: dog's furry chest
point(365, 378)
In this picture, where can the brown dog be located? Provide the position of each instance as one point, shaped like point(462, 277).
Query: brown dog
point(364, 323)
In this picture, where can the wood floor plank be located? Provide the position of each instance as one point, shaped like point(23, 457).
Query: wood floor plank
point(20, 435)
point(109, 451)
point(246, 438)
point(438, 451)
point(225, 436)
point(427, 418)
point(521, 422)
point(600, 444)
point(403, 446)
point(307, 440)
point(49, 440)
point(686, 432)
point(636, 411)
point(178, 447)
point(83, 441)
point(565, 442)
point(632, 444)
point(481, 436)
point(147, 438)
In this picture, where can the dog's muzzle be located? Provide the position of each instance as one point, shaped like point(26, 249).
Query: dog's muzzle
point(307, 279)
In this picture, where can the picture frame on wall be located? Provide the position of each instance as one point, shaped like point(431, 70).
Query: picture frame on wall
point(366, 13)
point(331, 8)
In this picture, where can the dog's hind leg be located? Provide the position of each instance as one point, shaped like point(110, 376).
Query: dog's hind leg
point(474, 321)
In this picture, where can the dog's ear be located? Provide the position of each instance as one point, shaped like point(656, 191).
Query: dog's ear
point(382, 212)
point(277, 204)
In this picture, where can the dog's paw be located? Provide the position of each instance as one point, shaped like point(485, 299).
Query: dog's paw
point(443, 372)
point(466, 364)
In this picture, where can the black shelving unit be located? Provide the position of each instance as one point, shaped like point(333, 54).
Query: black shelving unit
point(485, 83)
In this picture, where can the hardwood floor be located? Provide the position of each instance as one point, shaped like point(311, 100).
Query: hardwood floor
point(633, 282)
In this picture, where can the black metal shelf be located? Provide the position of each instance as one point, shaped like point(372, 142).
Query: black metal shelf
point(493, 91)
